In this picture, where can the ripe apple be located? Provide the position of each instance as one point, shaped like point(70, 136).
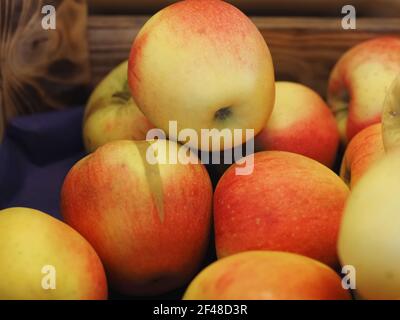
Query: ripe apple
point(302, 123)
point(30, 243)
point(289, 203)
point(369, 234)
point(204, 64)
point(111, 114)
point(266, 275)
point(363, 150)
point(149, 222)
point(359, 82)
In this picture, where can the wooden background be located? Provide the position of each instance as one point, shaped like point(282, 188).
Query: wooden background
point(41, 69)
point(371, 8)
point(304, 49)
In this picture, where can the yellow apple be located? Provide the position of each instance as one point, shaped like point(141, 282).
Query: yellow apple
point(34, 247)
point(111, 113)
point(369, 236)
point(205, 65)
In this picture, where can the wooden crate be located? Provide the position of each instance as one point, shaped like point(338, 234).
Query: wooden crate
point(370, 8)
point(303, 49)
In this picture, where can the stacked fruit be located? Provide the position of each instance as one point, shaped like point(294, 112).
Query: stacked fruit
point(145, 209)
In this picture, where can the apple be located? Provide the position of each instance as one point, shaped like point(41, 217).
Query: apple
point(266, 275)
point(289, 203)
point(363, 150)
point(149, 221)
point(205, 65)
point(42, 258)
point(111, 113)
point(359, 82)
point(369, 234)
point(302, 123)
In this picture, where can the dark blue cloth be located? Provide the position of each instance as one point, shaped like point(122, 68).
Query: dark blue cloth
point(36, 154)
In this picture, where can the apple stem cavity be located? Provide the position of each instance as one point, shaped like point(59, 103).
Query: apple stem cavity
point(391, 118)
point(341, 102)
point(122, 95)
point(223, 114)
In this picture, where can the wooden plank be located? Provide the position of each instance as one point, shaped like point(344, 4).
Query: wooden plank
point(303, 49)
point(371, 8)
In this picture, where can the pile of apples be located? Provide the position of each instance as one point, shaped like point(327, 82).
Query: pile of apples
point(282, 232)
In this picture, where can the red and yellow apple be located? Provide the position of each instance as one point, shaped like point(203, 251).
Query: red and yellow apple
point(30, 243)
point(359, 82)
point(363, 150)
point(289, 203)
point(149, 221)
point(267, 275)
point(111, 114)
point(204, 64)
point(302, 123)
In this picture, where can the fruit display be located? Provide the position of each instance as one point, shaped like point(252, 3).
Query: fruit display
point(202, 173)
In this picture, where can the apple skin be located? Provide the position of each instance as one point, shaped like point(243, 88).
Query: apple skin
point(111, 114)
point(369, 235)
point(30, 240)
point(363, 150)
point(204, 64)
point(267, 275)
point(370, 64)
point(289, 203)
point(150, 224)
point(302, 123)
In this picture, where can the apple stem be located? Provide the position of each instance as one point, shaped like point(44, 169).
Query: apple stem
point(391, 117)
